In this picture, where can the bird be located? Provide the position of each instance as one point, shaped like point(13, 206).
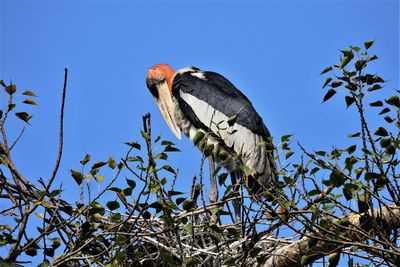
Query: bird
point(206, 104)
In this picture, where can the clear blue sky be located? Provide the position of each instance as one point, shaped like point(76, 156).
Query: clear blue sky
point(272, 50)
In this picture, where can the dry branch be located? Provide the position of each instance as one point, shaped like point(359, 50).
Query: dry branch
point(317, 245)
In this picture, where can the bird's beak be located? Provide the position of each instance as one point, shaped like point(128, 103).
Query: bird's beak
point(166, 105)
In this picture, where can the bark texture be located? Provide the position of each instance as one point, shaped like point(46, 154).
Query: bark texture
point(315, 246)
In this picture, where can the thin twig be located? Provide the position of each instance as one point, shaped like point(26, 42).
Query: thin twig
point(61, 135)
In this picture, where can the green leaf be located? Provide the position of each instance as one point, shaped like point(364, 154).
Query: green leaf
point(358, 134)
point(145, 135)
point(161, 155)
point(327, 81)
point(377, 79)
point(336, 84)
point(98, 164)
point(255, 251)
point(170, 149)
point(133, 159)
point(345, 61)
point(157, 139)
point(169, 168)
point(180, 200)
point(2, 83)
point(329, 94)
point(167, 143)
point(349, 100)
point(374, 88)
point(394, 101)
point(223, 155)
point(314, 192)
point(188, 205)
point(351, 149)
point(267, 144)
point(385, 142)
point(174, 193)
point(113, 205)
point(314, 170)
point(304, 260)
point(289, 153)
point(328, 69)
point(208, 150)
point(94, 171)
point(371, 176)
point(368, 44)
point(127, 191)
point(29, 101)
point(360, 64)
point(376, 104)
point(391, 150)
point(350, 190)
point(31, 252)
point(198, 137)
point(111, 163)
point(381, 132)
point(11, 89)
point(131, 183)
point(373, 57)
point(187, 227)
point(334, 259)
point(23, 116)
point(355, 48)
point(121, 239)
point(351, 86)
point(157, 206)
point(115, 189)
point(78, 177)
point(347, 53)
point(54, 193)
point(29, 93)
point(286, 138)
point(99, 179)
point(337, 179)
point(222, 178)
point(388, 119)
point(134, 145)
point(358, 172)
point(86, 159)
point(230, 262)
point(11, 106)
point(191, 262)
point(385, 110)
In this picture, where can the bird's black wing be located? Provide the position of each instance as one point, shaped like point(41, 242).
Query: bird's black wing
point(212, 103)
point(220, 94)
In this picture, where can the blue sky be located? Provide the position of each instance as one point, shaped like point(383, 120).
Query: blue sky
point(272, 50)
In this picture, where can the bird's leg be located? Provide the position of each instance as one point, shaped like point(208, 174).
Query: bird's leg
point(236, 202)
point(213, 181)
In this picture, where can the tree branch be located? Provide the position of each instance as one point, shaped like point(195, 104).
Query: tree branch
point(61, 138)
point(316, 248)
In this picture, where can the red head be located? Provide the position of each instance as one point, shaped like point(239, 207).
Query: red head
point(158, 74)
point(159, 79)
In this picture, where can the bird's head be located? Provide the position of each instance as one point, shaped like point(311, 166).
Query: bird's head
point(157, 75)
point(159, 82)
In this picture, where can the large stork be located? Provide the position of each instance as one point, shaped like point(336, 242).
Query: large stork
point(192, 100)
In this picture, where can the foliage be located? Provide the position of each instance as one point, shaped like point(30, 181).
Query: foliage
point(330, 205)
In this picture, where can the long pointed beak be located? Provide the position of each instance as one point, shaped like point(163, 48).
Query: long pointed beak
point(165, 104)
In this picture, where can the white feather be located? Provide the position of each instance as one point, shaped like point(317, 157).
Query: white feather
point(240, 139)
